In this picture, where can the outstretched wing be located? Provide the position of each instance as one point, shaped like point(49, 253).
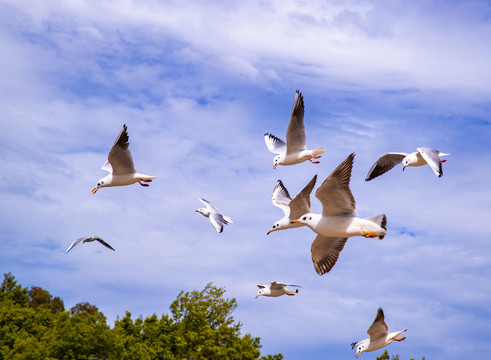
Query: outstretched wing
point(384, 164)
point(432, 157)
point(301, 203)
point(325, 252)
point(104, 243)
point(75, 243)
point(120, 155)
point(335, 194)
point(295, 134)
point(274, 144)
point(281, 198)
point(379, 328)
point(209, 205)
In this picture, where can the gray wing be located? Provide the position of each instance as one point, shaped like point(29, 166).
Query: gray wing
point(275, 144)
point(276, 285)
point(75, 243)
point(104, 243)
point(261, 286)
point(432, 157)
point(216, 220)
point(301, 203)
point(295, 134)
point(120, 156)
point(325, 252)
point(384, 164)
point(379, 328)
point(335, 194)
point(209, 205)
point(281, 198)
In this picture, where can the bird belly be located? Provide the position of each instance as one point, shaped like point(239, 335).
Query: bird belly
point(296, 158)
point(378, 344)
point(123, 179)
point(335, 226)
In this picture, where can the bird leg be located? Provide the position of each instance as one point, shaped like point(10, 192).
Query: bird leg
point(399, 339)
point(317, 157)
point(290, 294)
point(314, 162)
point(368, 234)
point(140, 182)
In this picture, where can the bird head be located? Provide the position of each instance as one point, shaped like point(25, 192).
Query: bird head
point(203, 212)
point(276, 161)
point(405, 162)
point(305, 219)
point(262, 292)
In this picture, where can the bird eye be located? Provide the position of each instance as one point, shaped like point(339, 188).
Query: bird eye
point(274, 226)
point(305, 217)
point(310, 218)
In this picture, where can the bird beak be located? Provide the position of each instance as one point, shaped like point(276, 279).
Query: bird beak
point(296, 222)
point(257, 296)
point(95, 190)
point(403, 167)
point(357, 354)
point(274, 166)
point(269, 232)
point(196, 211)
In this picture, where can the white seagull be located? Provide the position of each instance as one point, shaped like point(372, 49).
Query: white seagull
point(338, 220)
point(295, 150)
point(276, 289)
point(120, 166)
point(379, 336)
point(418, 158)
point(211, 212)
point(293, 209)
point(89, 239)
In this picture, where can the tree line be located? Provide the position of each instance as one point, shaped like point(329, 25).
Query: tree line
point(35, 325)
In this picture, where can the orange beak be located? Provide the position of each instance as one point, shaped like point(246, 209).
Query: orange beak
point(257, 296)
point(95, 190)
point(403, 168)
point(274, 166)
point(269, 232)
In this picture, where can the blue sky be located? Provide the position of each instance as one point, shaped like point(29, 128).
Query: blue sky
point(198, 84)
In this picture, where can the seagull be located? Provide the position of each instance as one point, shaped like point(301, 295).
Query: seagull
point(293, 209)
point(379, 336)
point(295, 150)
point(276, 289)
point(211, 212)
point(89, 239)
point(120, 166)
point(418, 158)
point(338, 220)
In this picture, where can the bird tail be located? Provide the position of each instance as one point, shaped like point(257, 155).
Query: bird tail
point(319, 150)
point(292, 291)
point(380, 220)
point(227, 219)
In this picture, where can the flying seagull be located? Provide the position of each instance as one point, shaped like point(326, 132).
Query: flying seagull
point(295, 150)
point(216, 218)
point(120, 166)
point(89, 239)
point(418, 158)
point(379, 336)
point(338, 220)
point(276, 289)
point(292, 209)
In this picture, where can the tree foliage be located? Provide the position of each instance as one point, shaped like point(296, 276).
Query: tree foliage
point(386, 356)
point(35, 325)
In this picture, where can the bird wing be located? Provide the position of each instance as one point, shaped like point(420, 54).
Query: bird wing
point(216, 220)
point(209, 205)
point(432, 157)
point(281, 198)
point(301, 203)
point(75, 243)
point(325, 252)
point(295, 134)
point(104, 243)
point(335, 194)
point(276, 285)
point(384, 164)
point(261, 286)
point(120, 155)
point(275, 144)
point(379, 328)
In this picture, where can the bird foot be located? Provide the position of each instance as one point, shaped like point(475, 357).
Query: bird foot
point(290, 294)
point(317, 157)
point(314, 162)
point(368, 234)
point(442, 161)
point(140, 182)
point(400, 339)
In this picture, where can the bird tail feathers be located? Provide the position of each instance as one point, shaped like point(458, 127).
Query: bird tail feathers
point(380, 220)
point(227, 219)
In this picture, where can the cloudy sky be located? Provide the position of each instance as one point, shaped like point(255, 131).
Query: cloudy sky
point(198, 84)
